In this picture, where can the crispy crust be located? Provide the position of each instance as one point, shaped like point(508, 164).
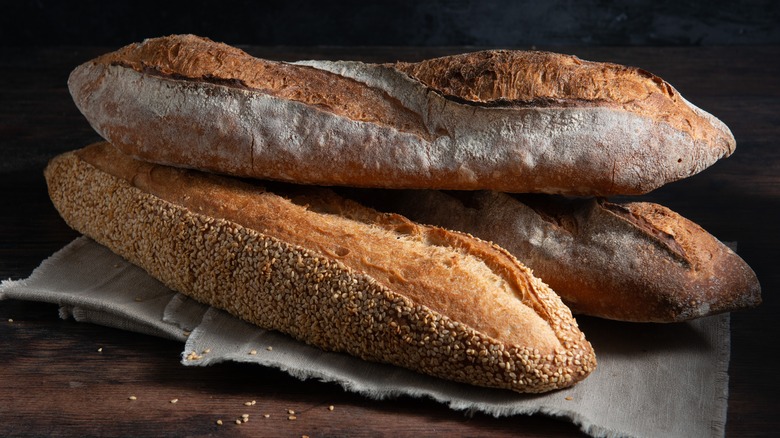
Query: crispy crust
point(638, 261)
point(198, 59)
point(200, 235)
point(504, 77)
point(187, 101)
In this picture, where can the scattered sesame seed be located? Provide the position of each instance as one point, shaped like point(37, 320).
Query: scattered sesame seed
point(247, 403)
point(10, 320)
point(253, 352)
point(186, 333)
point(194, 356)
point(132, 397)
point(331, 407)
point(292, 418)
point(266, 415)
point(100, 350)
point(219, 422)
point(569, 398)
point(291, 412)
point(175, 400)
point(269, 348)
point(207, 351)
point(238, 421)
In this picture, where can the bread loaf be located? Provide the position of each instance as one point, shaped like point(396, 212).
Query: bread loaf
point(509, 121)
point(328, 271)
point(637, 261)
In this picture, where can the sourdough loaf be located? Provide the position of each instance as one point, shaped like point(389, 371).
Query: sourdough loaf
point(509, 121)
point(328, 271)
point(636, 261)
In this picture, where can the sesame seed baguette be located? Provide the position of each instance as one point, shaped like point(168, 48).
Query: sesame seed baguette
point(636, 261)
point(328, 271)
point(509, 121)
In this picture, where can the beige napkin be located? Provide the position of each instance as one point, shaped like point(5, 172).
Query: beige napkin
point(652, 380)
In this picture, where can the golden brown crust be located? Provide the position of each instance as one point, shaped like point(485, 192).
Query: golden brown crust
point(637, 261)
point(199, 59)
point(258, 255)
point(542, 78)
point(592, 129)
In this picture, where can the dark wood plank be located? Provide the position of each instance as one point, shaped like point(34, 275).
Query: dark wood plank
point(59, 382)
point(54, 382)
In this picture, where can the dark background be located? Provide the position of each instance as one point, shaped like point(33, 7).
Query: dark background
point(735, 75)
point(396, 23)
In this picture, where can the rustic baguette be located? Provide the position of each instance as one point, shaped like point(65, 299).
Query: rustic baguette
point(637, 261)
point(328, 271)
point(509, 121)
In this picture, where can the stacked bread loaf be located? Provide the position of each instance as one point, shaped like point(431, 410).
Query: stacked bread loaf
point(211, 181)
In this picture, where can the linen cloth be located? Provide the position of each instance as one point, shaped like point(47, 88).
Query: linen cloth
point(652, 379)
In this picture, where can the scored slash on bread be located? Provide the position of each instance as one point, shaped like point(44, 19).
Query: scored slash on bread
point(328, 271)
point(501, 120)
point(638, 261)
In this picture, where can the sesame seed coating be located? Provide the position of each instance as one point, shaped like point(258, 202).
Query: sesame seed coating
point(305, 293)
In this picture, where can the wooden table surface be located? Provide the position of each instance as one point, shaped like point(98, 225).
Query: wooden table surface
point(62, 378)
